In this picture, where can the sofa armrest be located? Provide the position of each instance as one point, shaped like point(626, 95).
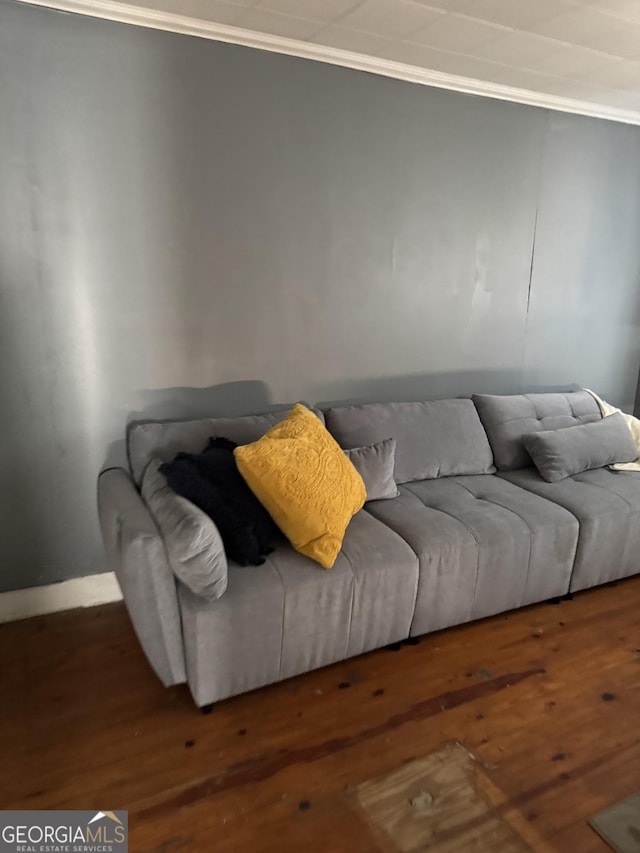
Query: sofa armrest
point(137, 554)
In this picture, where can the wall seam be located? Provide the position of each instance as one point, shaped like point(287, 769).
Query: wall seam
point(543, 148)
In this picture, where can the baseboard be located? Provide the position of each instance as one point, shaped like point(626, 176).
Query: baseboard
point(78, 592)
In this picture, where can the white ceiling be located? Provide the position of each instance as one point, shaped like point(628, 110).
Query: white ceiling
point(584, 50)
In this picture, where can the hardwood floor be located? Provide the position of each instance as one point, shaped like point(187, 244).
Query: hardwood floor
point(546, 699)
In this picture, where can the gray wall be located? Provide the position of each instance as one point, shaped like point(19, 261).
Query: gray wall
point(191, 228)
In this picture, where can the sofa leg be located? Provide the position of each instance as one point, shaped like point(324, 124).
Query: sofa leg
point(207, 709)
point(566, 597)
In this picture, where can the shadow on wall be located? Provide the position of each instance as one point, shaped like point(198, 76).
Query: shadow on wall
point(434, 386)
point(230, 399)
point(250, 397)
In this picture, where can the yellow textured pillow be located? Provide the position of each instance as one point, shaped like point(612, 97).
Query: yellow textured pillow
point(304, 479)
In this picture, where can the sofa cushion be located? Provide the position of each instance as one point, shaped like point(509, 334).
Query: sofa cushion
point(559, 453)
point(305, 481)
point(164, 440)
point(295, 618)
point(507, 418)
point(192, 541)
point(375, 464)
point(607, 505)
point(484, 546)
point(434, 439)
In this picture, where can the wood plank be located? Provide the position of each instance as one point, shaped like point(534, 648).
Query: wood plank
point(434, 804)
point(546, 698)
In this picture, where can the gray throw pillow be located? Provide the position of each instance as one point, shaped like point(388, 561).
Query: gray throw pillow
point(375, 464)
point(192, 541)
point(560, 453)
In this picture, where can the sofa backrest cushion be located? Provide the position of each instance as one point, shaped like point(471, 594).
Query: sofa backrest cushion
point(507, 418)
point(433, 439)
point(150, 439)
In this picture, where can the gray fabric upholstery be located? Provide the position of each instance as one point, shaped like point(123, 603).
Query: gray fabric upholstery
point(164, 440)
point(375, 464)
point(507, 418)
point(192, 541)
point(483, 548)
point(449, 548)
point(288, 616)
point(560, 453)
point(137, 555)
point(607, 505)
point(434, 439)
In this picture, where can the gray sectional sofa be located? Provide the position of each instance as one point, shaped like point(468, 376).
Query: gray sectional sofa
point(474, 531)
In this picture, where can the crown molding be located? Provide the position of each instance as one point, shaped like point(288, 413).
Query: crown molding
point(138, 16)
